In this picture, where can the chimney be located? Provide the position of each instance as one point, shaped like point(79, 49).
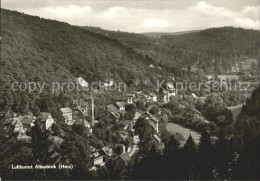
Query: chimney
point(92, 107)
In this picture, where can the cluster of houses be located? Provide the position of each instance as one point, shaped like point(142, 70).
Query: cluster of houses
point(223, 78)
point(163, 96)
point(247, 64)
point(80, 111)
point(154, 123)
point(100, 156)
point(23, 123)
point(118, 109)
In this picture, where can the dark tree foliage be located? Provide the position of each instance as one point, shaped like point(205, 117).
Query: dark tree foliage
point(34, 49)
point(205, 159)
point(189, 151)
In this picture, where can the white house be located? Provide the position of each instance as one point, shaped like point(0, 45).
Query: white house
point(82, 82)
point(153, 97)
point(46, 118)
point(166, 97)
point(98, 160)
point(18, 126)
point(67, 114)
point(170, 86)
point(120, 105)
point(130, 98)
point(108, 83)
point(108, 151)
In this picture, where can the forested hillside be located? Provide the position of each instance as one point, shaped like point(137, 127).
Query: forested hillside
point(247, 133)
point(40, 50)
point(225, 44)
point(64, 51)
point(158, 34)
point(37, 49)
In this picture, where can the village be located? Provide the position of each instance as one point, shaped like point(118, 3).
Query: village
point(82, 111)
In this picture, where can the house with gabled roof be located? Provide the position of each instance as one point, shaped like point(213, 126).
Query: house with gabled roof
point(107, 151)
point(46, 119)
point(113, 112)
point(153, 97)
point(26, 120)
point(154, 122)
point(98, 160)
point(82, 82)
point(125, 158)
point(170, 86)
point(67, 114)
point(158, 142)
point(18, 126)
point(130, 98)
point(120, 105)
point(85, 106)
point(111, 108)
point(157, 138)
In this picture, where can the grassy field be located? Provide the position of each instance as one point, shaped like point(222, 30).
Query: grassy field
point(185, 132)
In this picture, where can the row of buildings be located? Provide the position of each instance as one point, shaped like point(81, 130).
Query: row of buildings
point(22, 124)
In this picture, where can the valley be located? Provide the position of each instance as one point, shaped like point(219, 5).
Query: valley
point(172, 110)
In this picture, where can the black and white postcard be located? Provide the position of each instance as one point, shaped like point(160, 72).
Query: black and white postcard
point(130, 90)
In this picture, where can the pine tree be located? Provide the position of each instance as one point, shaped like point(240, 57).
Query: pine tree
point(188, 154)
point(222, 155)
point(205, 157)
point(171, 147)
point(172, 160)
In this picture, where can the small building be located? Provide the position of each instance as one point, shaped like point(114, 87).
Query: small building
point(47, 119)
point(125, 158)
point(98, 160)
point(26, 120)
point(18, 126)
point(157, 138)
point(67, 114)
point(158, 142)
point(130, 98)
point(108, 83)
point(170, 86)
point(136, 139)
point(107, 151)
point(85, 106)
point(120, 105)
point(113, 116)
point(154, 122)
point(113, 113)
point(209, 77)
point(82, 82)
point(194, 95)
point(112, 108)
point(153, 97)
point(228, 78)
point(123, 135)
point(166, 97)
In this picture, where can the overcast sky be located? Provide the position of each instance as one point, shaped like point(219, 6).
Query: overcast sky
point(145, 15)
